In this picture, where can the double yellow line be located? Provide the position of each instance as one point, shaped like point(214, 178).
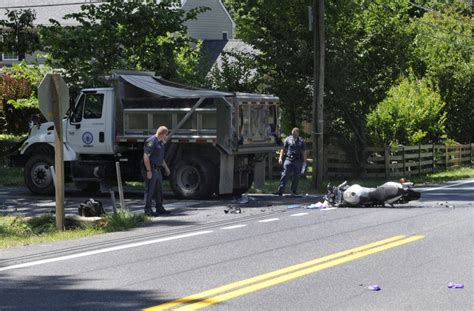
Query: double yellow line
point(233, 290)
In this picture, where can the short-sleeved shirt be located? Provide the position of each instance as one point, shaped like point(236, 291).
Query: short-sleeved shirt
point(155, 149)
point(294, 148)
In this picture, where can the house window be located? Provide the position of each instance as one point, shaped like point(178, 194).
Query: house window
point(225, 35)
point(10, 56)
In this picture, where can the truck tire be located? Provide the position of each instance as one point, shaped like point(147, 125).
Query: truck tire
point(193, 179)
point(37, 174)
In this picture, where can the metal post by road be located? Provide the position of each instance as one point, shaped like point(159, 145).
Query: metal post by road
point(120, 188)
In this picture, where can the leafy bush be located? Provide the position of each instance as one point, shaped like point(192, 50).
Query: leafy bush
point(412, 113)
point(18, 93)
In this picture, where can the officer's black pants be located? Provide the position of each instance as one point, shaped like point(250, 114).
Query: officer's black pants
point(290, 168)
point(154, 190)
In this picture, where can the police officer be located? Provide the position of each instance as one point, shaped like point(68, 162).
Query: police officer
point(153, 160)
point(292, 156)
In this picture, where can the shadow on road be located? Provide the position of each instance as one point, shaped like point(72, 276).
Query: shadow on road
point(64, 293)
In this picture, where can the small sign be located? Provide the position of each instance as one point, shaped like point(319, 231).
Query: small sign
point(46, 91)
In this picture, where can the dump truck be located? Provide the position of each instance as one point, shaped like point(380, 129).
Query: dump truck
point(217, 143)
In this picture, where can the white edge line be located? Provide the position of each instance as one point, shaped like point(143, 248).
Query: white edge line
point(447, 186)
point(299, 214)
point(101, 251)
point(328, 209)
point(269, 219)
point(233, 227)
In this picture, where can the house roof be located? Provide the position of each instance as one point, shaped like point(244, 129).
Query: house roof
point(213, 49)
point(46, 9)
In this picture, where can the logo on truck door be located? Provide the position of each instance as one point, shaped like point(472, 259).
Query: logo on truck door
point(87, 138)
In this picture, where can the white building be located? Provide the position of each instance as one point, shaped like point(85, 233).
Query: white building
point(214, 24)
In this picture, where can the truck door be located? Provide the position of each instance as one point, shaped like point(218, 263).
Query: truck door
point(87, 124)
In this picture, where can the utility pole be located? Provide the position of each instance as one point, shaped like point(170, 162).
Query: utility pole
point(318, 91)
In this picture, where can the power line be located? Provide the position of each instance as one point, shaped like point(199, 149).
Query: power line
point(49, 5)
point(426, 23)
point(432, 25)
point(446, 41)
point(445, 29)
point(437, 12)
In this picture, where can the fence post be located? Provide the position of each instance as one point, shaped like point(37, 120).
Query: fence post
point(471, 154)
point(403, 159)
point(433, 164)
point(387, 161)
point(419, 158)
point(460, 155)
point(446, 156)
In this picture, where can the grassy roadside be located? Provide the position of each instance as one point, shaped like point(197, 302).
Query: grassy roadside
point(19, 230)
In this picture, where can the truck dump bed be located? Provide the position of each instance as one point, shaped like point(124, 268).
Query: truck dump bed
point(231, 120)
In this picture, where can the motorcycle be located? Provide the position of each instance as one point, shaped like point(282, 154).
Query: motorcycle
point(355, 195)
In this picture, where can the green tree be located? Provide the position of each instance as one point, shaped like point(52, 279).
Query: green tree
point(18, 32)
point(444, 53)
point(279, 31)
point(122, 35)
point(367, 49)
point(412, 113)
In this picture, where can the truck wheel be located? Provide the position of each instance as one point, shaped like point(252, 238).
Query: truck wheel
point(193, 179)
point(37, 174)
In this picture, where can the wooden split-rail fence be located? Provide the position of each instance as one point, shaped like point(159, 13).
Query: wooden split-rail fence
point(386, 162)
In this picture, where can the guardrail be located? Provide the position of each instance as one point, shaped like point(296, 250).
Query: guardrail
point(387, 162)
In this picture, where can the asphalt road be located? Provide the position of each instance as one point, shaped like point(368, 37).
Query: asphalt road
point(270, 257)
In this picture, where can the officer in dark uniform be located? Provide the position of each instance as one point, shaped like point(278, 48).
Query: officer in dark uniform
point(295, 155)
point(153, 160)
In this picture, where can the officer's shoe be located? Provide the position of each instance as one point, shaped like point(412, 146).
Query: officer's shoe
point(295, 194)
point(162, 212)
point(278, 193)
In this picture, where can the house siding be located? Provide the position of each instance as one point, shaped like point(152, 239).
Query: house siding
point(211, 24)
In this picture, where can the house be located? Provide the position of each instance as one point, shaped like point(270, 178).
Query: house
point(214, 24)
point(45, 10)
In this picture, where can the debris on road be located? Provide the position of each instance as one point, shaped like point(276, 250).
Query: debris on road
point(455, 285)
point(232, 210)
point(293, 206)
point(374, 287)
point(318, 205)
point(246, 199)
